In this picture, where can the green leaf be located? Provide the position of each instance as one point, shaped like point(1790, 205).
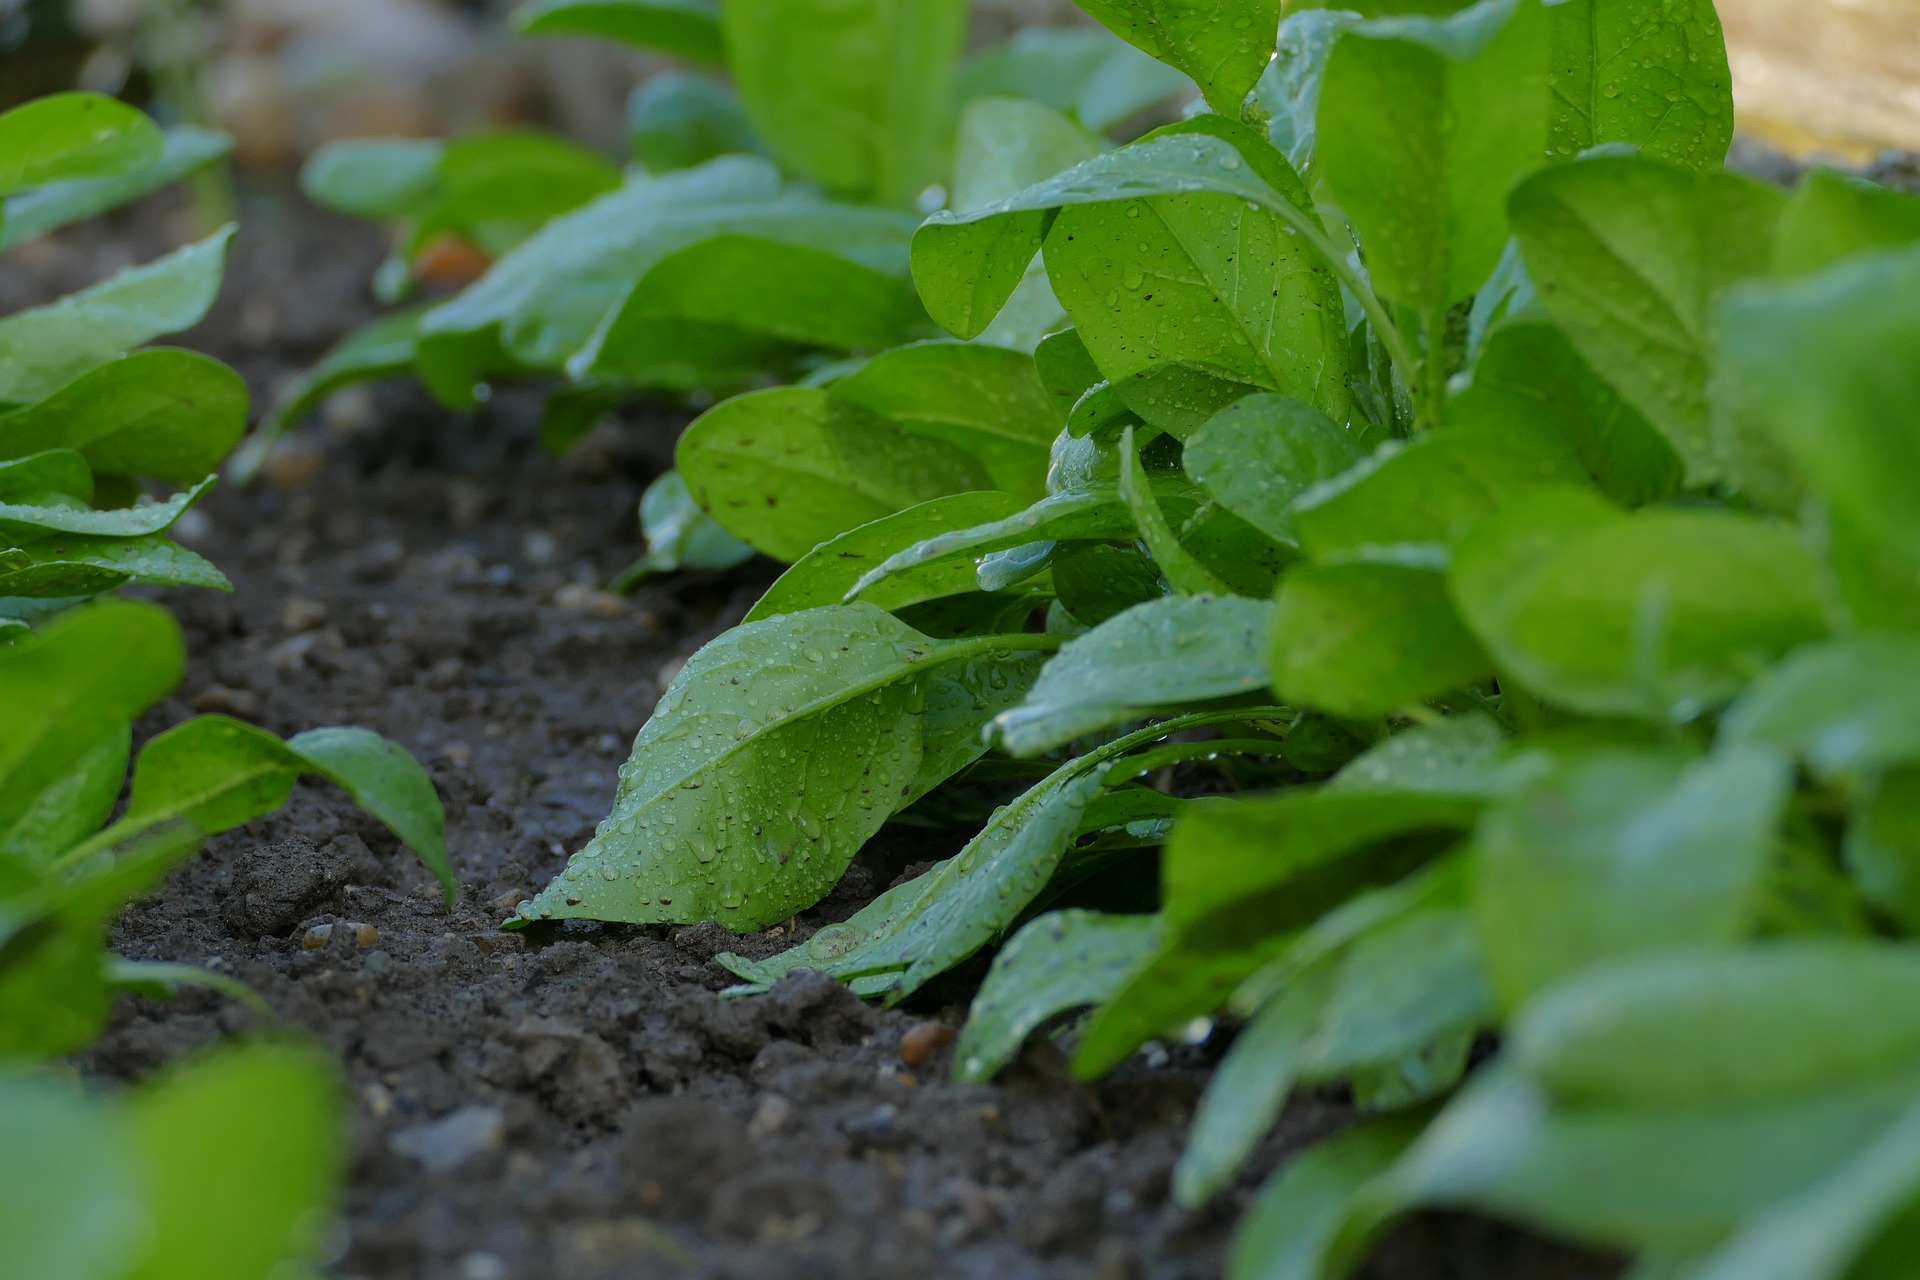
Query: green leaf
point(67, 789)
point(967, 264)
point(166, 413)
point(240, 1153)
point(44, 348)
point(857, 96)
point(1458, 756)
point(684, 28)
point(1087, 75)
point(1832, 216)
point(68, 565)
point(1429, 492)
point(93, 667)
point(1819, 1233)
point(1294, 1222)
point(1060, 961)
point(678, 120)
point(1882, 846)
point(1191, 299)
point(1655, 78)
point(29, 521)
point(1259, 454)
point(48, 476)
point(73, 135)
point(1425, 124)
point(32, 213)
point(1169, 652)
point(1831, 365)
point(1530, 380)
point(496, 189)
point(593, 287)
point(74, 1211)
point(381, 178)
point(1361, 638)
point(985, 400)
point(778, 750)
point(826, 574)
point(1657, 614)
point(1223, 45)
point(681, 536)
point(1399, 988)
point(1008, 144)
point(787, 469)
point(388, 783)
point(1620, 852)
point(1289, 89)
point(1726, 1028)
point(1249, 1088)
point(1630, 258)
point(1845, 707)
point(1659, 1178)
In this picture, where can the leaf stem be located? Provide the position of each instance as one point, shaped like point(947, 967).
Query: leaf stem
point(981, 646)
point(1391, 338)
point(1433, 370)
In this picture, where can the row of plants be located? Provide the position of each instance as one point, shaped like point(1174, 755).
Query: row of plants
point(1428, 442)
point(227, 1165)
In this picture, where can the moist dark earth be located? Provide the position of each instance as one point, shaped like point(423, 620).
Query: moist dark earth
point(573, 1103)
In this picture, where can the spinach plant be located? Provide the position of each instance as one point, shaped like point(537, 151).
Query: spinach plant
point(1509, 507)
point(146, 1186)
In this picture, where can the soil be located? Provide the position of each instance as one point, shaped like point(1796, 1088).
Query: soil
point(577, 1102)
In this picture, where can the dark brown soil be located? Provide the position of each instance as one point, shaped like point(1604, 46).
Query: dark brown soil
point(577, 1102)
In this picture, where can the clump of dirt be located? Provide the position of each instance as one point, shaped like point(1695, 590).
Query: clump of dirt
point(577, 1102)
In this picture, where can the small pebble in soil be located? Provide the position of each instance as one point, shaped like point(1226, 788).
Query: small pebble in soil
point(922, 1040)
point(770, 1116)
point(451, 1141)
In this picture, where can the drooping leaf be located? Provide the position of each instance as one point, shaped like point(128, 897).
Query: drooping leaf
point(1060, 961)
point(68, 565)
point(1657, 614)
point(35, 212)
point(28, 521)
point(857, 96)
point(1631, 257)
point(685, 28)
point(1361, 638)
point(165, 413)
point(778, 750)
point(1425, 124)
point(1174, 651)
point(388, 783)
point(1620, 853)
point(1654, 78)
point(64, 136)
point(44, 348)
point(826, 574)
point(1222, 45)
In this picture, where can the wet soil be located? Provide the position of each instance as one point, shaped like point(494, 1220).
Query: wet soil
point(577, 1102)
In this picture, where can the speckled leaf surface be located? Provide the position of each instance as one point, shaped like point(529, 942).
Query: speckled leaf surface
point(68, 565)
point(1223, 45)
point(1654, 75)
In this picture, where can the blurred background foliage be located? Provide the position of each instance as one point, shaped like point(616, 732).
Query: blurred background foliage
point(1835, 78)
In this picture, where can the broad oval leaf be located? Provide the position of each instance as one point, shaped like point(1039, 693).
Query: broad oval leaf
point(677, 120)
point(1259, 454)
point(787, 469)
point(1658, 614)
point(1364, 638)
point(74, 1212)
point(1223, 45)
point(166, 413)
point(388, 783)
point(681, 536)
point(687, 28)
point(73, 135)
point(35, 212)
point(1087, 75)
point(1292, 1227)
point(1832, 216)
point(1168, 652)
point(386, 178)
point(1846, 707)
point(1656, 78)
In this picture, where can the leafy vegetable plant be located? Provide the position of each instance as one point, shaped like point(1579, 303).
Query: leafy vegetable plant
point(1442, 446)
point(146, 1186)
